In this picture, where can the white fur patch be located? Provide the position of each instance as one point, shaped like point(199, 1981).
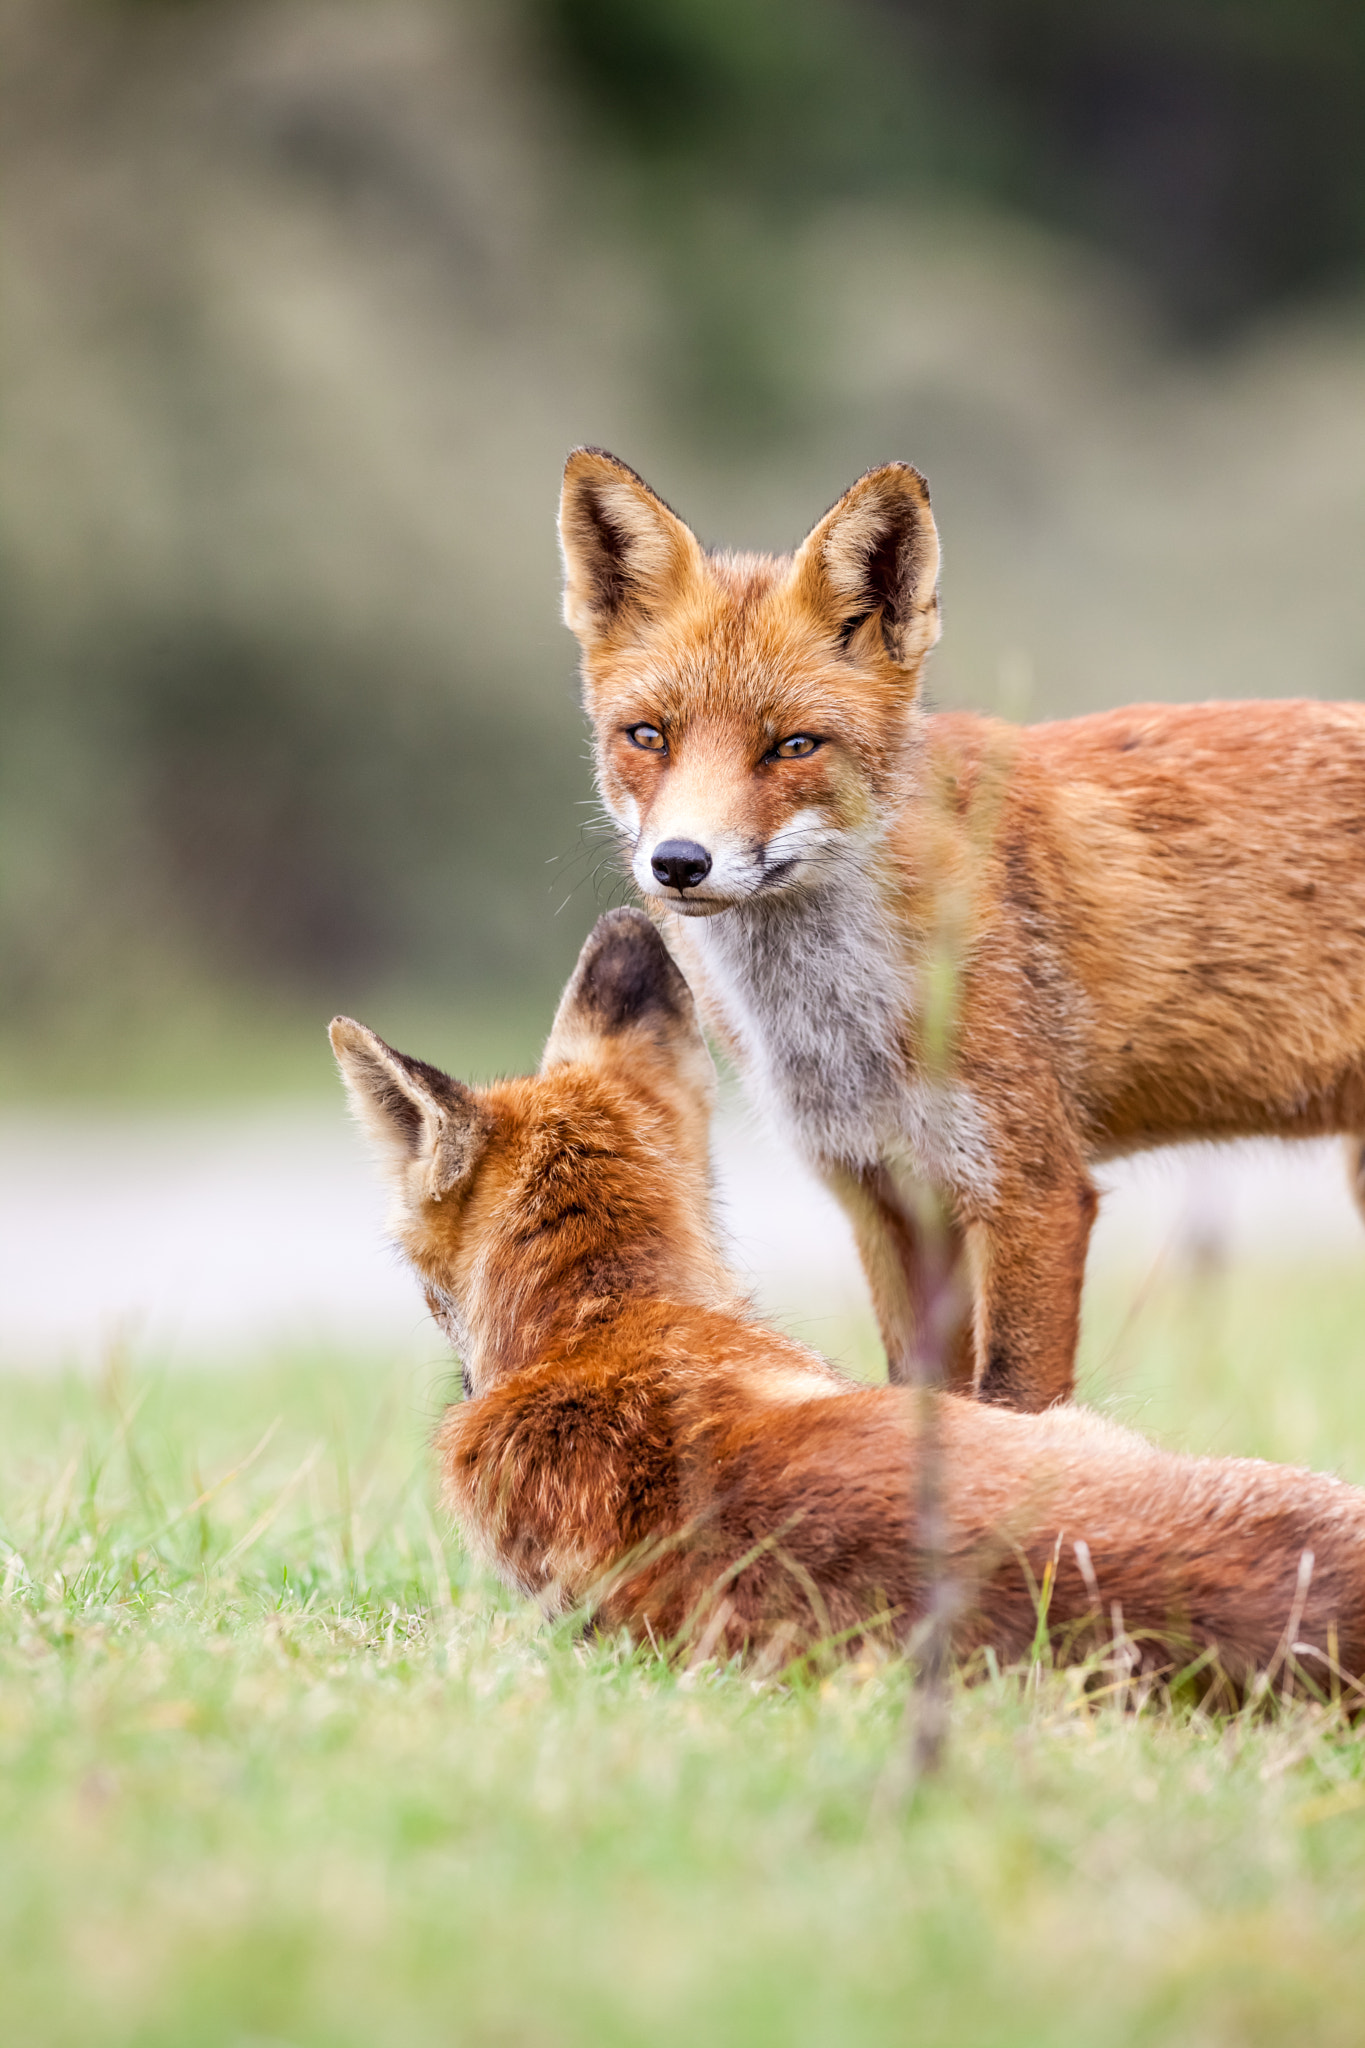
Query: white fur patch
point(816, 990)
point(946, 1140)
point(788, 1385)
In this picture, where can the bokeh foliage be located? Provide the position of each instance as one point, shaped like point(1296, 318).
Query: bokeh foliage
point(306, 301)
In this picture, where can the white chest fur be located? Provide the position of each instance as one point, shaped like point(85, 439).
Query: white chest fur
point(819, 995)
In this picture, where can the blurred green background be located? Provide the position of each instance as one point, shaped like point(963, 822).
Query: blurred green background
point(305, 301)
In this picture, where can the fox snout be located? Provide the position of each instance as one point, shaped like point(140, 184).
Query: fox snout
point(693, 876)
point(720, 862)
point(699, 847)
point(679, 863)
point(698, 872)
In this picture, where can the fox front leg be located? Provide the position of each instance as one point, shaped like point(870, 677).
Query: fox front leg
point(917, 1277)
point(1029, 1260)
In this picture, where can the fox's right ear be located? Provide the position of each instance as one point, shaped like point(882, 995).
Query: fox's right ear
point(419, 1118)
point(625, 554)
point(627, 994)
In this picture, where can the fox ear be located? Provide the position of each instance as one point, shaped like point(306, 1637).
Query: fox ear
point(625, 554)
point(417, 1115)
point(873, 562)
point(625, 990)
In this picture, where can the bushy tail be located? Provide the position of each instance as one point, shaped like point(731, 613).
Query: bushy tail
point(1355, 1167)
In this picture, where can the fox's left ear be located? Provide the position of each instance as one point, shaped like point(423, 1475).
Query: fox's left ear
point(428, 1128)
point(872, 564)
point(627, 994)
point(625, 554)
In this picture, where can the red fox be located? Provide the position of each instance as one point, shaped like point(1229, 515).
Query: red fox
point(633, 1442)
point(1155, 917)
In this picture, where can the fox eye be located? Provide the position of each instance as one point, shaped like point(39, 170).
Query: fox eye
point(647, 736)
point(793, 749)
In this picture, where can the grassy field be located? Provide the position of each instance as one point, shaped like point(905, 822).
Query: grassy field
point(277, 1766)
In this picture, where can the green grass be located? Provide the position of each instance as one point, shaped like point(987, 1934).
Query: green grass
point(278, 1766)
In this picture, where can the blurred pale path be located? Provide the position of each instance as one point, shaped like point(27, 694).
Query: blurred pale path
point(186, 1237)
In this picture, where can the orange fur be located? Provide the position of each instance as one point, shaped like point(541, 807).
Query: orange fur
point(1151, 922)
point(634, 1442)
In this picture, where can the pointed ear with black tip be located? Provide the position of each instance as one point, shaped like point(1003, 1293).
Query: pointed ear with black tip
point(428, 1129)
point(625, 554)
point(627, 995)
point(870, 567)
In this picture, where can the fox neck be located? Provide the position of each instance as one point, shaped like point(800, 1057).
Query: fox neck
point(821, 988)
point(816, 989)
point(522, 1305)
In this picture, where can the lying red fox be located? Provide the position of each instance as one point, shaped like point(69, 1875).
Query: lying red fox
point(631, 1439)
point(1156, 917)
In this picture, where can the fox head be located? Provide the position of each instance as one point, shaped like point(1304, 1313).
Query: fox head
point(751, 712)
point(533, 1209)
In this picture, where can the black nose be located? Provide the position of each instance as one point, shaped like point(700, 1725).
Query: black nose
point(680, 863)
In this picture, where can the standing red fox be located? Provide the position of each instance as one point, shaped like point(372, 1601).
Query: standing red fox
point(1155, 918)
point(632, 1440)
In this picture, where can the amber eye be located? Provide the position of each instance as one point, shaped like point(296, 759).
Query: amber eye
point(647, 736)
point(794, 748)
